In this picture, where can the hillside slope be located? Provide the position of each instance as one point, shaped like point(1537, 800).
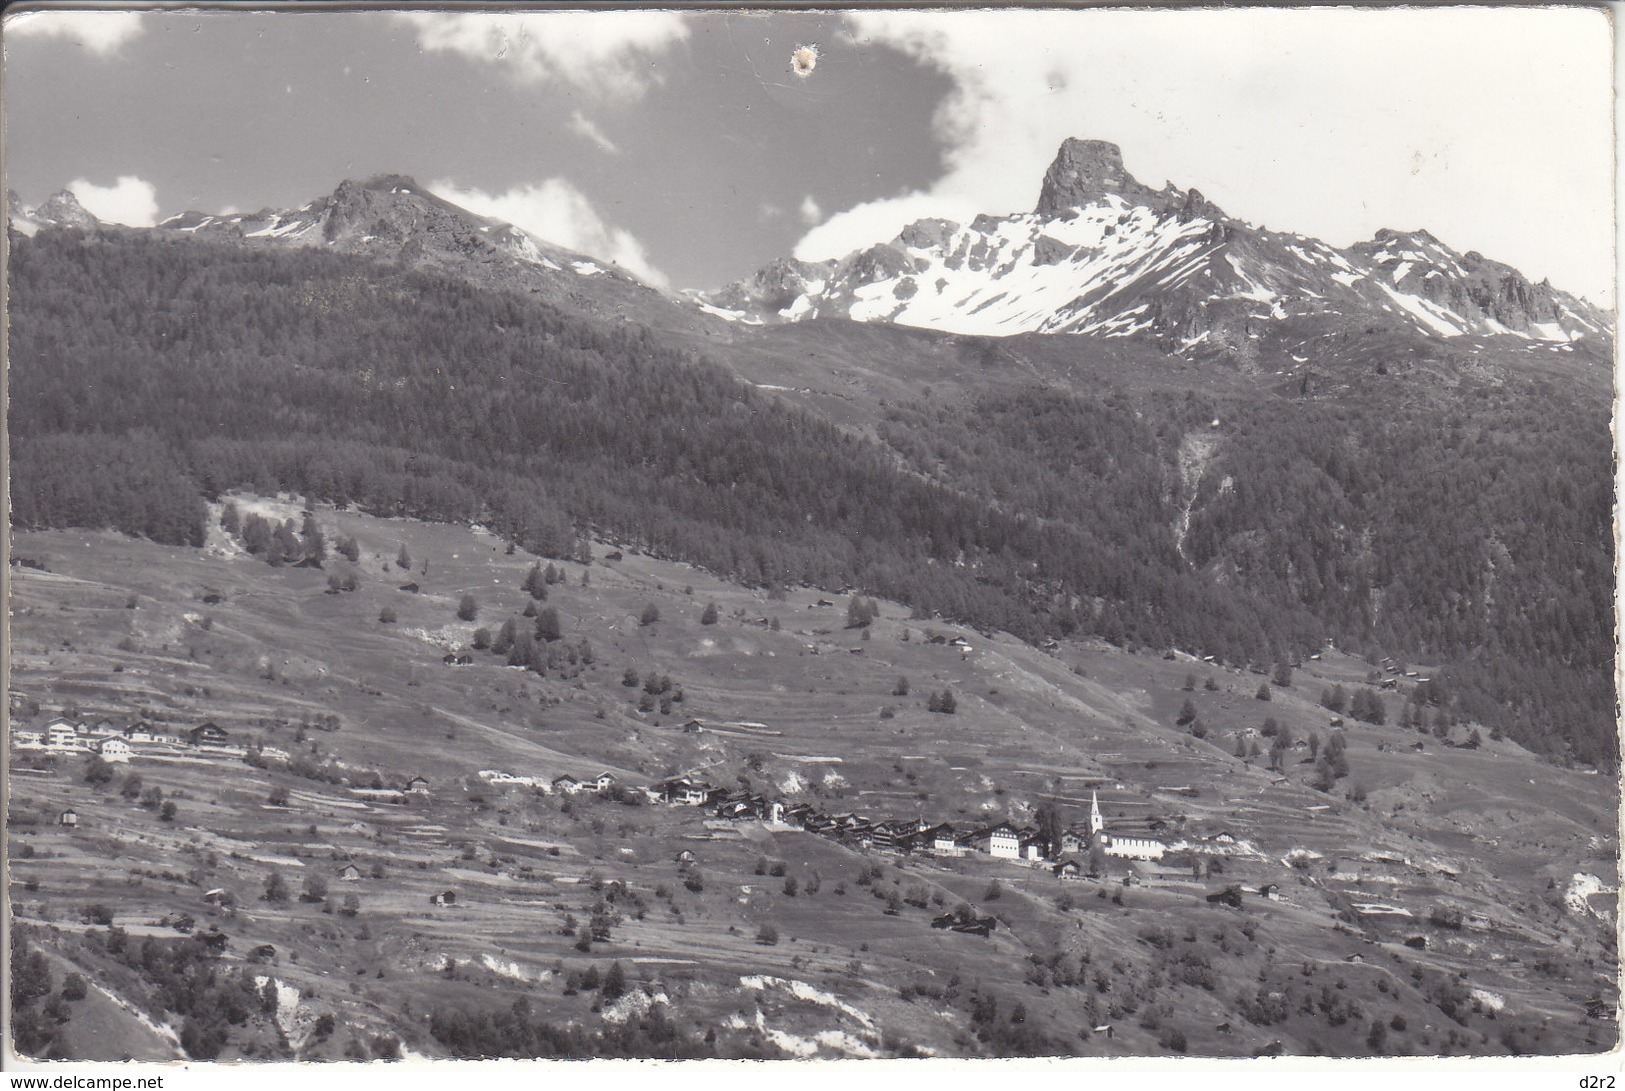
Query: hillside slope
point(1493, 878)
point(1035, 485)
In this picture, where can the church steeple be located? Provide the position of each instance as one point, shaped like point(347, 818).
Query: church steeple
point(1096, 823)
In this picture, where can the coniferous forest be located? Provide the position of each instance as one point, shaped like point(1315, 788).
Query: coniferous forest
point(1468, 527)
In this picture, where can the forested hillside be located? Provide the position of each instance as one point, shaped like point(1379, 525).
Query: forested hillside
point(148, 374)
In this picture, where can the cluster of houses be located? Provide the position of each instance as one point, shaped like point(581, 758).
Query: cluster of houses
point(119, 744)
point(1000, 839)
point(602, 784)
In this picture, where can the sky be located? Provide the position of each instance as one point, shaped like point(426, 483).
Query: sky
point(686, 147)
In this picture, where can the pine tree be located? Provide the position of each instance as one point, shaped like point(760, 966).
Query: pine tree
point(467, 608)
point(709, 615)
point(311, 539)
point(547, 625)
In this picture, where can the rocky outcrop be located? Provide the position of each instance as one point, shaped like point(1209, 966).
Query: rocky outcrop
point(1083, 172)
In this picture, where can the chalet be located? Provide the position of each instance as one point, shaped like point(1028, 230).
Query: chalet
point(1418, 942)
point(1230, 895)
point(818, 822)
point(685, 857)
point(445, 897)
point(207, 734)
point(886, 835)
point(999, 839)
point(603, 782)
point(62, 735)
point(265, 952)
point(139, 732)
point(736, 805)
point(567, 784)
point(217, 896)
point(184, 924)
point(613, 555)
point(410, 588)
point(1069, 868)
point(213, 942)
point(854, 829)
point(796, 814)
point(67, 818)
point(350, 873)
point(914, 838)
point(1032, 848)
point(1072, 841)
point(942, 840)
point(692, 727)
point(947, 920)
point(114, 749)
point(418, 786)
point(453, 659)
point(679, 791)
point(1272, 891)
point(1355, 957)
point(1106, 1029)
point(1225, 1028)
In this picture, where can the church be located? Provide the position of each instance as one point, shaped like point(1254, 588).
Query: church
point(1129, 848)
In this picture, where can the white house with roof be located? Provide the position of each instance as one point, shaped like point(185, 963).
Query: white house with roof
point(63, 735)
point(113, 749)
point(999, 839)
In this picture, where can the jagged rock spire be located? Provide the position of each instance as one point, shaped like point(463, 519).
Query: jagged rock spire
point(1083, 171)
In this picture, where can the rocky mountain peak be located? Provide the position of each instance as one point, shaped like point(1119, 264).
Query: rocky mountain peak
point(62, 209)
point(1082, 172)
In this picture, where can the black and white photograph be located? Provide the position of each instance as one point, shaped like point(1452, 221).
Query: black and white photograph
point(794, 535)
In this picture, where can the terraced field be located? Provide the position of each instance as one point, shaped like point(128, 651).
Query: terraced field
point(845, 962)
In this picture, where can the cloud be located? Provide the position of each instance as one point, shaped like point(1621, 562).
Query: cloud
point(1308, 119)
point(556, 211)
point(130, 200)
point(101, 32)
point(582, 126)
point(610, 54)
point(809, 210)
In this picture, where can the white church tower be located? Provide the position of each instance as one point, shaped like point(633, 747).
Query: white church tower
point(1096, 823)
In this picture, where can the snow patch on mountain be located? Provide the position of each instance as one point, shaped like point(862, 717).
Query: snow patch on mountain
point(1103, 254)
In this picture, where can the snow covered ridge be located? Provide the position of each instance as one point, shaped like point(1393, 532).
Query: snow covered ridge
point(1106, 255)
